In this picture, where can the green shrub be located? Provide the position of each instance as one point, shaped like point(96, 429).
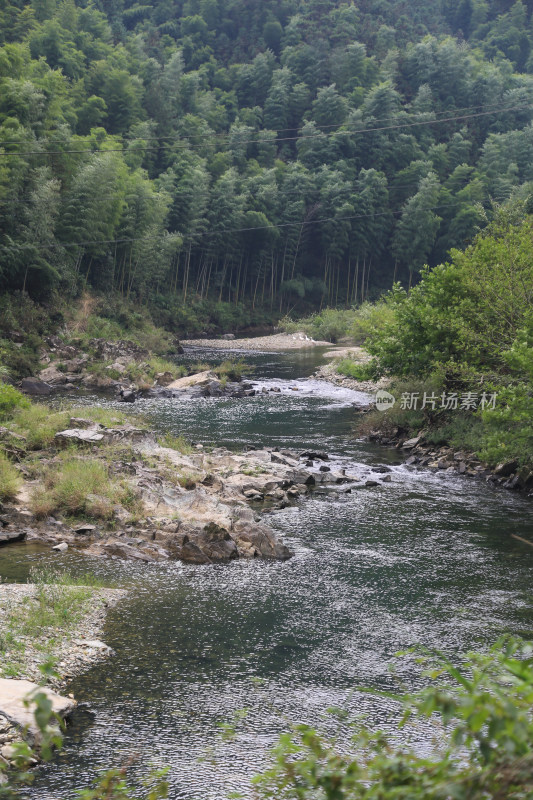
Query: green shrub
point(10, 480)
point(371, 318)
point(11, 400)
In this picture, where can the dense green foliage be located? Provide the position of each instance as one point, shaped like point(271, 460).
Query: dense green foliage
point(467, 327)
point(271, 153)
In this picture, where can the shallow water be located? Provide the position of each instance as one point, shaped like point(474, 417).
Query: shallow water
point(427, 559)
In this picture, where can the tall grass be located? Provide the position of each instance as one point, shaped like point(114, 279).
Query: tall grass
point(82, 486)
point(10, 480)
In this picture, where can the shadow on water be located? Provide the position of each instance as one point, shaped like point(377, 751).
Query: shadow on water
point(425, 559)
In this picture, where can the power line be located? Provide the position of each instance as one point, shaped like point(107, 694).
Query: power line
point(213, 134)
point(166, 234)
point(247, 193)
point(271, 141)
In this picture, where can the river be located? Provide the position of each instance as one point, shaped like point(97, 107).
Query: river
point(426, 559)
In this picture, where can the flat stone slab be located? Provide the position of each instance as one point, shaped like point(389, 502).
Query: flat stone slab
point(192, 380)
point(13, 693)
point(80, 435)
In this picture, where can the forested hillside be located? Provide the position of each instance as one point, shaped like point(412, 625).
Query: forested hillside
point(268, 152)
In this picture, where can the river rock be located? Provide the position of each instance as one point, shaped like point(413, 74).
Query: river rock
point(126, 551)
point(36, 387)
point(116, 366)
point(61, 547)
point(80, 435)
point(192, 554)
point(410, 443)
point(163, 378)
point(85, 529)
point(127, 396)
point(506, 468)
point(6, 537)
point(305, 478)
point(201, 378)
point(314, 455)
point(216, 543)
point(111, 351)
point(52, 376)
point(13, 696)
point(259, 540)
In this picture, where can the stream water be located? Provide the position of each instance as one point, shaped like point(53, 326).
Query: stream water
point(427, 558)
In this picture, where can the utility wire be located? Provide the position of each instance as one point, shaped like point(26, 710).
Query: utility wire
point(213, 134)
point(166, 234)
point(269, 141)
point(248, 193)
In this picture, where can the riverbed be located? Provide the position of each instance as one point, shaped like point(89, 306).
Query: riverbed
point(425, 559)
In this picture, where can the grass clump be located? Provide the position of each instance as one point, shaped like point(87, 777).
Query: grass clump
point(369, 371)
point(46, 575)
point(39, 424)
point(178, 443)
point(53, 607)
point(11, 400)
point(82, 486)
point(232, 370)
point(10, 480)
point(145, 373)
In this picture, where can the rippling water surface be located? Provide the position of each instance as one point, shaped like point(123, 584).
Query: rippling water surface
point(425, 559)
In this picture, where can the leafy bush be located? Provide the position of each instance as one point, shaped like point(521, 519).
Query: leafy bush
point(469, 325)
point(11, 400)
point(371, 318)
point(10, 480)
point(469, 310)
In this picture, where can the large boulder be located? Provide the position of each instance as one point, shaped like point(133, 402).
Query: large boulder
point(14, 695)
point(35, 387)
point(200, 379)
point(52, 376)
point(111, 351)
point(80, 436)
point(258, 541)
point(216, 543)
point(506, 468)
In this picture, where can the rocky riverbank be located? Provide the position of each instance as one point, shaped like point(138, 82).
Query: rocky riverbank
point(417, 450)
point(193, 504)
point(420, 453)
point(54, 624)
point(328, 372)
point(72, 645)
